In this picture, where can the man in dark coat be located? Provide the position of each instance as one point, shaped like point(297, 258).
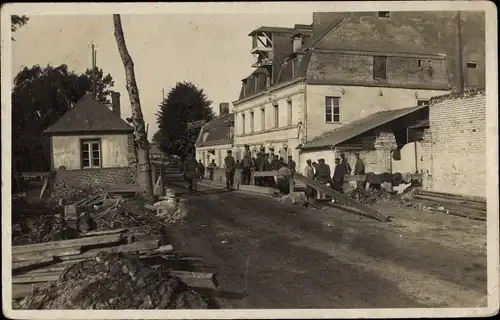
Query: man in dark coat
point(246, 163)
point(338, 176)
point(201, 169)
point(190, 172)
point(230, 165)
point(211, 168)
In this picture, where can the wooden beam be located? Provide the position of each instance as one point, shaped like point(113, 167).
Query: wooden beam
point(197, 279)
point(265, 35)
point(103, 232)
point(341, 197)
point(60, 252)
point(131, 247)
point(39, 277)
point(31, 264)
point(21, 290)
point(78, 242)
point(272, 173)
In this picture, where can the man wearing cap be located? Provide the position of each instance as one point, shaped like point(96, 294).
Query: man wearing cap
point(190, 172)
point(359, 168)
point(338, 176)
point(230, 169)
point(246, 163)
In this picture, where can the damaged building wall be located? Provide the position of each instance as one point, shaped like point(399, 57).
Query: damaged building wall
point(374, 149)
point(455, 145)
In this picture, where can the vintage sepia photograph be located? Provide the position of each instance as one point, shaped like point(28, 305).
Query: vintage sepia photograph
point(225, 159)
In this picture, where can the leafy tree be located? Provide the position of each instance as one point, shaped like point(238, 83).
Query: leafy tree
point(39, 97)
point(184, 103)
point(17, 22)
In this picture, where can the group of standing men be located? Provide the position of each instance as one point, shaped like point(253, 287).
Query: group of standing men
point(242, 171)
point(321, 172)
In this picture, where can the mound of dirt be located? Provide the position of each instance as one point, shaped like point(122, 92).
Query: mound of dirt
point(370, 196)
point(114, 281)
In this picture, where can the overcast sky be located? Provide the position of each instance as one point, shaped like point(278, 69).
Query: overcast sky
point(210, 50)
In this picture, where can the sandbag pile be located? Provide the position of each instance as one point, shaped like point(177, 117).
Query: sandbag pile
point(114, 281)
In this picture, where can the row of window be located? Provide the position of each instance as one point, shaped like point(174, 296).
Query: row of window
point(276, 118)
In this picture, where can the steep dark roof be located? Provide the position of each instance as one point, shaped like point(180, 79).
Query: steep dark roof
point(218, 131)
point(89, 115)
point(358, 127)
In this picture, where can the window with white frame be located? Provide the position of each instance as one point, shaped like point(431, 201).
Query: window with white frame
point(289, 106)
point(91, 153)
point(332, 109)
point(276, 115)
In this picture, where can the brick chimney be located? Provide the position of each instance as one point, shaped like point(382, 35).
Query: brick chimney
point(115, 103)
point(223, 108)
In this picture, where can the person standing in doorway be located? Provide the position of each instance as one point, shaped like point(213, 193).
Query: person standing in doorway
point(230, 168)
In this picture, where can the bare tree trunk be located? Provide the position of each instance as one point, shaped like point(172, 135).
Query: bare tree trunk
point(143, 162)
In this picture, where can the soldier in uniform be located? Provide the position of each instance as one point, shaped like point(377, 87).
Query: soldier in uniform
point(230, 169)
point(190, 172)
point(246, 163)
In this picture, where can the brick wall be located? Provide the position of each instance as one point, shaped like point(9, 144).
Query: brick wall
point(454, 147)
point(410, 32)
point(357, 69)
point(85, 177)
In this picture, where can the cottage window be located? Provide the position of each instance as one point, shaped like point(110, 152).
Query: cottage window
point(379, 67)
point(91, 154)
point(252, 120)
point(290, 111)
point(420, 63)
point(472, 78)
point(332, 109)
point(276, 115)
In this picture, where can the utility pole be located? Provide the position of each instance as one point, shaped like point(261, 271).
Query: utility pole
point(94, 63)
point(460, 62)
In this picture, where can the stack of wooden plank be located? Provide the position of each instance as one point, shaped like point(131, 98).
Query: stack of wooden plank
point(464, 206)
point(36, 264)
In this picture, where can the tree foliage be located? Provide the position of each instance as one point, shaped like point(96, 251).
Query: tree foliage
point(16, 22)
point(39, 97)
point(184, 103)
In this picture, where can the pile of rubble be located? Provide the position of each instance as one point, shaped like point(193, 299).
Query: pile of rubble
point(36, 221)
point(170, 209)
point(60, 190)
point(371, 195)
point(114, 281)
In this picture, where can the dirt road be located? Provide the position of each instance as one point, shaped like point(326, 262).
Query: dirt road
point(270, 255)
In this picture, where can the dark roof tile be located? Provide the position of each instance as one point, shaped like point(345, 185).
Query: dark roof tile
point(89, 115)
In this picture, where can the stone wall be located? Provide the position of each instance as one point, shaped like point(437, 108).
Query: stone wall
point(85, 177)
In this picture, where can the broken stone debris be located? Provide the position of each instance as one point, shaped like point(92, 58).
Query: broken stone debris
point(114, 281)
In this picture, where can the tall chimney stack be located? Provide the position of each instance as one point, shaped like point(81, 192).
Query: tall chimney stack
point(223, 108)
point(115, 102)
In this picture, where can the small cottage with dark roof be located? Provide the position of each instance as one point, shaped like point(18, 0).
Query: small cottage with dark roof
point(92, 143)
